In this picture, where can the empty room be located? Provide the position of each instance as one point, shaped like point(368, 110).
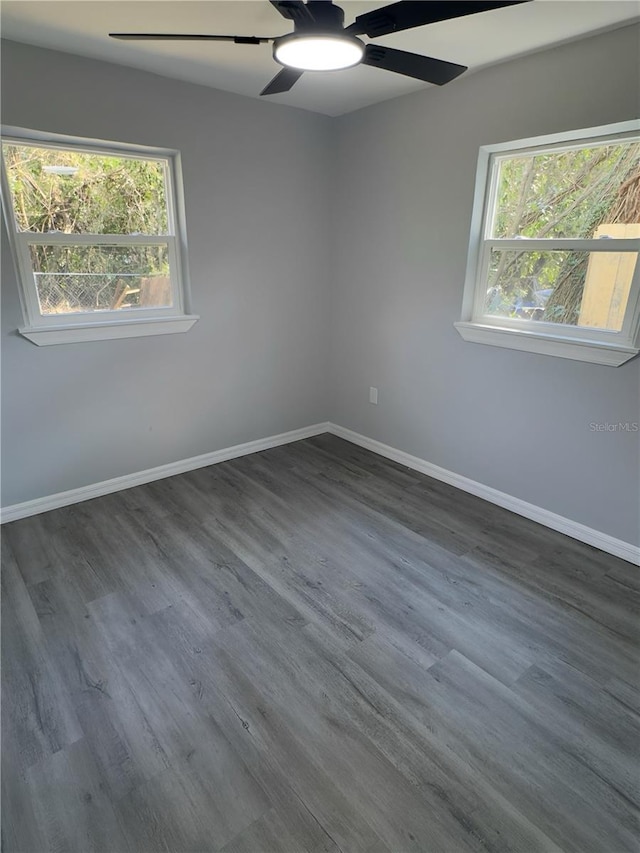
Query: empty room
point(320, 426)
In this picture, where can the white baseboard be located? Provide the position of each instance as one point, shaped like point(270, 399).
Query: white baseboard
point(139, 478)
point(574, 529)
point(600, 540)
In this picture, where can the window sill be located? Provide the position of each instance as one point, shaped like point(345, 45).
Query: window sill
point(612, 355)
point(44, 336)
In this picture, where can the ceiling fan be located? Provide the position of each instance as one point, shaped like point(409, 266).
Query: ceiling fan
point(321, 42)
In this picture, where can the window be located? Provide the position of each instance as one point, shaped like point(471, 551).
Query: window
point(553, 257)
point(98, 236)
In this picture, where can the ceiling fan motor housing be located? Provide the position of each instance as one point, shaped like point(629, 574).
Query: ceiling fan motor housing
point(322, 23)
point(323, 17)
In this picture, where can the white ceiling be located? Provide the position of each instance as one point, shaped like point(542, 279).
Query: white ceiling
point(81, 27)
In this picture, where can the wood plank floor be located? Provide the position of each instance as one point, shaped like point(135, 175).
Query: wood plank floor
point(314, 649)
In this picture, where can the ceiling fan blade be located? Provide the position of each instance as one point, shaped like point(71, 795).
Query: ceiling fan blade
point(282, 82)
point(187, 37)
point(412, 65)
point(293, 10)
point(415, 13)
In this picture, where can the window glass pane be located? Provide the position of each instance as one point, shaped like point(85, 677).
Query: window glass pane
point(71, 279)
point(571, 288)
point(78, 192)
point(570, 194)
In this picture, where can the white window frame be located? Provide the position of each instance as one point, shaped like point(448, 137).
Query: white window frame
point(599, 346)
point(45, 330)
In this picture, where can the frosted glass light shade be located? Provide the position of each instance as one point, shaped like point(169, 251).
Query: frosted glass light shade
point(318, 52)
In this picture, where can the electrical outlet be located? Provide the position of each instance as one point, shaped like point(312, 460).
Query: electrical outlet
point(373, 395)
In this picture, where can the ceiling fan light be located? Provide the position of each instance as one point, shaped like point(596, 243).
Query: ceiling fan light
point(318, 52)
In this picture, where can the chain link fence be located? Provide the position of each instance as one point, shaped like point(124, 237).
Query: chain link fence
point(86, 292)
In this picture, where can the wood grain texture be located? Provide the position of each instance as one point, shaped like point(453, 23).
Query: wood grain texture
point(313, 650)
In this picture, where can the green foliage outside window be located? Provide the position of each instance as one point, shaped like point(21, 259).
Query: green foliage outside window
point(565, 194)
point(75, 192)
point(98, 194)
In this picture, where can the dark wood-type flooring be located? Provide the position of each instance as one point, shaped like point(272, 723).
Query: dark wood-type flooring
point(314, 649)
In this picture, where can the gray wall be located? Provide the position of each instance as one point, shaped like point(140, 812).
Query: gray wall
point(257, 218)
point(515, 421)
